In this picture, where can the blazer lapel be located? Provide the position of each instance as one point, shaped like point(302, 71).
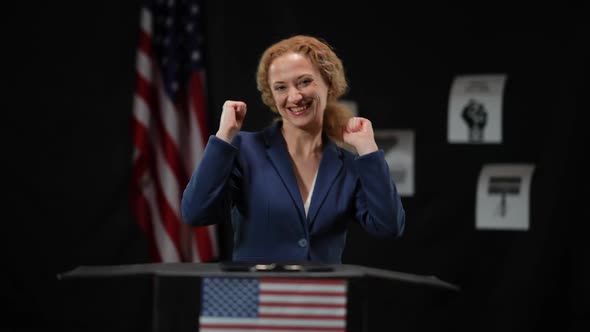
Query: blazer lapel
point(279, 156)
point(330, 167)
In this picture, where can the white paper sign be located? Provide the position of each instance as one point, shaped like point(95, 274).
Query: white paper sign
point(475, 109)
point(352, 105)
point(398, 146)
point(503, 196)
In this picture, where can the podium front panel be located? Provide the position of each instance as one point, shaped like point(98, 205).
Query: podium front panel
point(287, 304)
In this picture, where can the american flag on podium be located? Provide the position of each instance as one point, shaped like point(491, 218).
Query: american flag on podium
point(169, 129)
point(273, 305)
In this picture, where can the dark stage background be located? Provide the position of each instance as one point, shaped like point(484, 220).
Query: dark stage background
point(68, 153)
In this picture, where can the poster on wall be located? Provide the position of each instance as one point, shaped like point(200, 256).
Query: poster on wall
point(352, 106)
point(475, 109)
point(503, 196)
point(398, 146)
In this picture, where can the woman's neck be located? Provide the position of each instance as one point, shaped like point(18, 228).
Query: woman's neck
point(301, 142)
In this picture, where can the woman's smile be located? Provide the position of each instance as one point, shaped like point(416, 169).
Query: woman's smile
point(300, 110)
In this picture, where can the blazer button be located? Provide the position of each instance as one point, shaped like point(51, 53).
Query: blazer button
point(302, 243)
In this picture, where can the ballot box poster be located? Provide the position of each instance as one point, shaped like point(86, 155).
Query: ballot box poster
point(503, 197)
point(475, 109)
point(398, 147)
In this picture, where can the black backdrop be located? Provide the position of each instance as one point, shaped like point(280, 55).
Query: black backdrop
point(68, 151)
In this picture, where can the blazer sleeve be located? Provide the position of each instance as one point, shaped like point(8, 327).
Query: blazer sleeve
point(206, 199)
point(379, 208)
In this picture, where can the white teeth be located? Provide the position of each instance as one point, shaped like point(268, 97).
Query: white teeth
point(298, 109)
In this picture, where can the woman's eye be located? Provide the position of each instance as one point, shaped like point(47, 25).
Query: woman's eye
point(279, 88)
point(305, 82)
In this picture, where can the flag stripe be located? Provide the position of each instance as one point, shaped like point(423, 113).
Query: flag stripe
point(300, 316)
point(310, 305)
point(166, 125)
point(204, 243)
point(144, 65)
point(272, 299)
point(273, 322)
point(302, 310)
point(215, 327)
point(299, 282)
point(302, 292)
point(145, 23)
point(165, 244)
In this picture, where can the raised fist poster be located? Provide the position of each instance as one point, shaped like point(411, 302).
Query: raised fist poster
point(475, 109)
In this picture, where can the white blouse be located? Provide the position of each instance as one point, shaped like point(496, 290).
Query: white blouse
point(308, 201)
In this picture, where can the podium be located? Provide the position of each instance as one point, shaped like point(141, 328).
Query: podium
point(177, 289)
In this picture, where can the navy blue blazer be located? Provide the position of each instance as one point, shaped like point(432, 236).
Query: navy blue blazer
point(251, 183)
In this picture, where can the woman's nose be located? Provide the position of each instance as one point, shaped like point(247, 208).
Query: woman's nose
point(294, 95)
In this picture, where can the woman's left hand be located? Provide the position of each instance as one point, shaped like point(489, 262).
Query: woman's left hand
point(358, 132)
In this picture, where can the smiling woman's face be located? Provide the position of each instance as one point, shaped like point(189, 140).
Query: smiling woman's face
point(299, 91)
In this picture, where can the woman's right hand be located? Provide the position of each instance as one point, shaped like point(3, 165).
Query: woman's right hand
point(232, 119)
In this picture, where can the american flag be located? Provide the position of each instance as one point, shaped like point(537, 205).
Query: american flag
point(273, 305)
point(169, 128)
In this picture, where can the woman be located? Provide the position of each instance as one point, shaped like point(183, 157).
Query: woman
point(291, 189)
